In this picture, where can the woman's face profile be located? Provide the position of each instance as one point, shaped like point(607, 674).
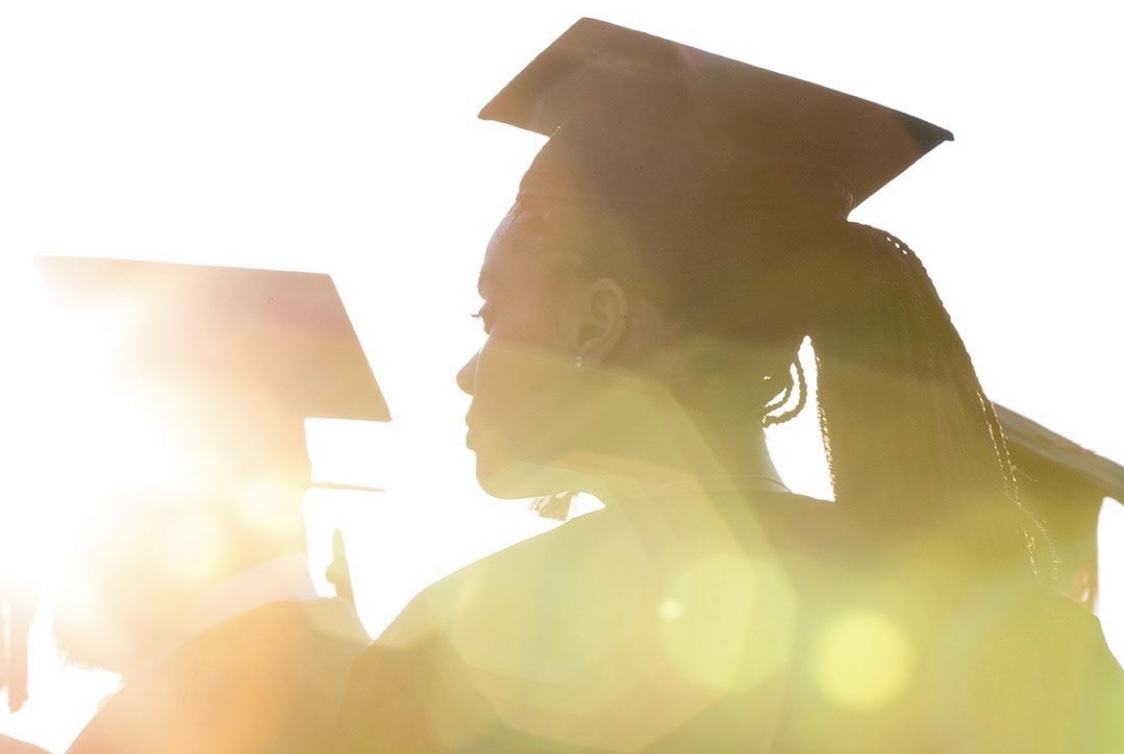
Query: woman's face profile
point(522, 378)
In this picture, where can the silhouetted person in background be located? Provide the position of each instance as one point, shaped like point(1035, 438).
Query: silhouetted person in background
point(9, 745)
point(1067, 485)
point(193, 584)
point(672, 245)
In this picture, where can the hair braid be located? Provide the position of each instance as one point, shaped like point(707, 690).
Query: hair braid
point(898, 393)
point(770, 419)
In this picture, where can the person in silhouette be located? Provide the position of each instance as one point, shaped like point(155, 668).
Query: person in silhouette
point(192, 583)
point(9, 745)
point(678, 238)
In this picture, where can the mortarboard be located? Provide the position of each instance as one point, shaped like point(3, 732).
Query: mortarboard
point(240, 356)
point(636, 119)
point(1065, 485)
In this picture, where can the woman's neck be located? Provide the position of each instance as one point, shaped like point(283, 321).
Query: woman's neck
point(658, 444)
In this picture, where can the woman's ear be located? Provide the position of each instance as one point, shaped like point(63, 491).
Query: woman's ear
point(602, 321)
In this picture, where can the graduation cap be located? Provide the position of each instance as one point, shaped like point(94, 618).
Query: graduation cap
point(636, 120)
point(236, 358)
point(1065, 485)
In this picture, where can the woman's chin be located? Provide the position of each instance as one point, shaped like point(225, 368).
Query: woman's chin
point(514, 480)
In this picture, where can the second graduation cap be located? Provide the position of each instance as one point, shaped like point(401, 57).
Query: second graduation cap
point(239, 357)
point(639, 120)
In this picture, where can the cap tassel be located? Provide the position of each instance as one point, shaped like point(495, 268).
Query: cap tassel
point(17, 611)
point(339, 572)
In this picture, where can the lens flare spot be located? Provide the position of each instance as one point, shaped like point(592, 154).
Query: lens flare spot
point(862, 660)
point(670, 610)
point(727, 622)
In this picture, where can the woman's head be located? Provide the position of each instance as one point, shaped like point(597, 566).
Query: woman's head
point(711, 198)
point(518, 378)
point(600, 322)
point(550, 329)
point(604, 329)
point(690, 185)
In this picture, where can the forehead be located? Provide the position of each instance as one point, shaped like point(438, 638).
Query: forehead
point(522, 251)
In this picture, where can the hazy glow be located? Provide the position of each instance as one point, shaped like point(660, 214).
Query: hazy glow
point(128, 444)
point(302, 140)
point(193, 548)
point(727, 622)
point(862, 660)
point(266, 507)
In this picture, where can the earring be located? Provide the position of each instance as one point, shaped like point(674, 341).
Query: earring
point(579, 361)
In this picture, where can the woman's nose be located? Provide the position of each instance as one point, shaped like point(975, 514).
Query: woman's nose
point(466, 377)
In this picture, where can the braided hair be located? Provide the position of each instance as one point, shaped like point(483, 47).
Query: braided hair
point(898, 393)
point(914, 446)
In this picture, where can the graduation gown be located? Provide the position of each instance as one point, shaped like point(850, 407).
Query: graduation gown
point(746, 625)
point(266, 680)
point(10, 745)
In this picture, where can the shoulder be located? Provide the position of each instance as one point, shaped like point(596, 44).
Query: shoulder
point(539, 611)
point(545, 570)
point(14, 746)
point(291, 654)
point(268, 679)
point(287, 625)
point(1038, 662)
point(816, 520)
